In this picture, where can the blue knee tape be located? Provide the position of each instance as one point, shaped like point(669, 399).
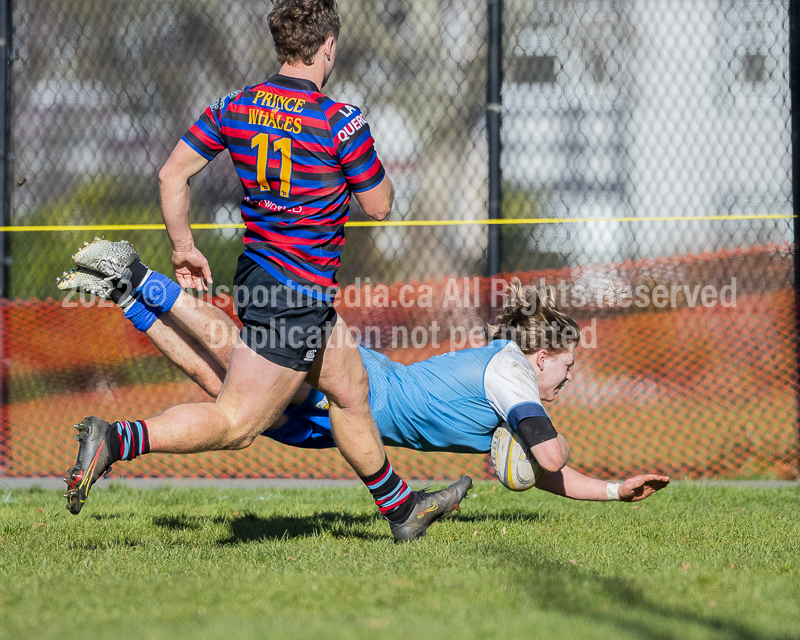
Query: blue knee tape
point(159, 291)
point(141, 315)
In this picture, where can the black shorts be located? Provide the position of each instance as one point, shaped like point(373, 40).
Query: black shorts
point(278, 323)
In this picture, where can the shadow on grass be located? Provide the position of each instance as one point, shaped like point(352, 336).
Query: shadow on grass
point(249, 527)
point(512, 517)
point(185, 523)
point(619, 602)
point(108, 516)
point(252, 528)
point(111, 543)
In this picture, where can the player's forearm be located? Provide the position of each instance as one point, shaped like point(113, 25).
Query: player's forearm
point(175, 208)
point(377, 202)
point(173, 184)
point(572, 484)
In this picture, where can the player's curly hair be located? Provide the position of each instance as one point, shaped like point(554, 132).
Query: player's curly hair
point(300, 27)
point(532, 320)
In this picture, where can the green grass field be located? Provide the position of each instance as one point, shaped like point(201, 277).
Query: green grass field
point(691, 562)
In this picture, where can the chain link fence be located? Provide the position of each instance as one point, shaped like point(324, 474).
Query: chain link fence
point(646, 144)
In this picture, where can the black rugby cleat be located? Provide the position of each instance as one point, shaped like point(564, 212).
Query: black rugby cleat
point(94, 460)
point(429, 508)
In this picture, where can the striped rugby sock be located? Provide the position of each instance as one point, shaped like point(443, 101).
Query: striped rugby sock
point(133, 440)
point(390, 493)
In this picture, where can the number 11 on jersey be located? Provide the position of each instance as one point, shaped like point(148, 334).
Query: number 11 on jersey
point(279, 145)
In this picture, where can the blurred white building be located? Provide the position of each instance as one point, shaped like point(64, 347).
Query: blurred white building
point(672, 108)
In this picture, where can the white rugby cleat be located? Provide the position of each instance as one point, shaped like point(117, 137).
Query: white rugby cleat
point(109, 258)
point(85, 280)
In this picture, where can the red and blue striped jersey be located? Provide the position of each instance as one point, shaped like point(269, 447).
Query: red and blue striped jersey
point(299, 155)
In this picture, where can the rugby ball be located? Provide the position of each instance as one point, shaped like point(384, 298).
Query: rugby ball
point(511, 465)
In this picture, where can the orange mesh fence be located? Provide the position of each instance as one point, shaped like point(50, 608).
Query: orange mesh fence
point(688, 367)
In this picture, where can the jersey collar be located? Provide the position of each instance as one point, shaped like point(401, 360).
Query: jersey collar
point(298, 84)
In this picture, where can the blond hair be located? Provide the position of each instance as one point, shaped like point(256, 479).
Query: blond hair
point(532, 320)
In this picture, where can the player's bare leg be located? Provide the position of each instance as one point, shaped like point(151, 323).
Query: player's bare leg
point(195, 335)
point(209, 325)
point(194, 358)
point(204, 354)
point(339, 373)
point(234, 420)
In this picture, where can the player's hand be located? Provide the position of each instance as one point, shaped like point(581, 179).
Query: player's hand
point(191, 269)
point(641, 487)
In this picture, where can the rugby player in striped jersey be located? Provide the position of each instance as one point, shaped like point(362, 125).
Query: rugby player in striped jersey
point(299, 156)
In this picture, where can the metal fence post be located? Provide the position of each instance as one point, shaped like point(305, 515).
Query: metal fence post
point(6, 58)
point(5, 94)
point(794, 70)
point(493, 122)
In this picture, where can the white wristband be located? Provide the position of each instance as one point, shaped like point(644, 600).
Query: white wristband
point(612, 490)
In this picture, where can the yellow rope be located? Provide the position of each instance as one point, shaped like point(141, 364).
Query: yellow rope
point(398, 223)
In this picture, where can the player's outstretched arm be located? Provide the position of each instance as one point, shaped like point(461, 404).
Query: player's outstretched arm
point(553, 454)
point(572, 484)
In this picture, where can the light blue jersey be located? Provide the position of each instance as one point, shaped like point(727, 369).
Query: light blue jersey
point(452, 402)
